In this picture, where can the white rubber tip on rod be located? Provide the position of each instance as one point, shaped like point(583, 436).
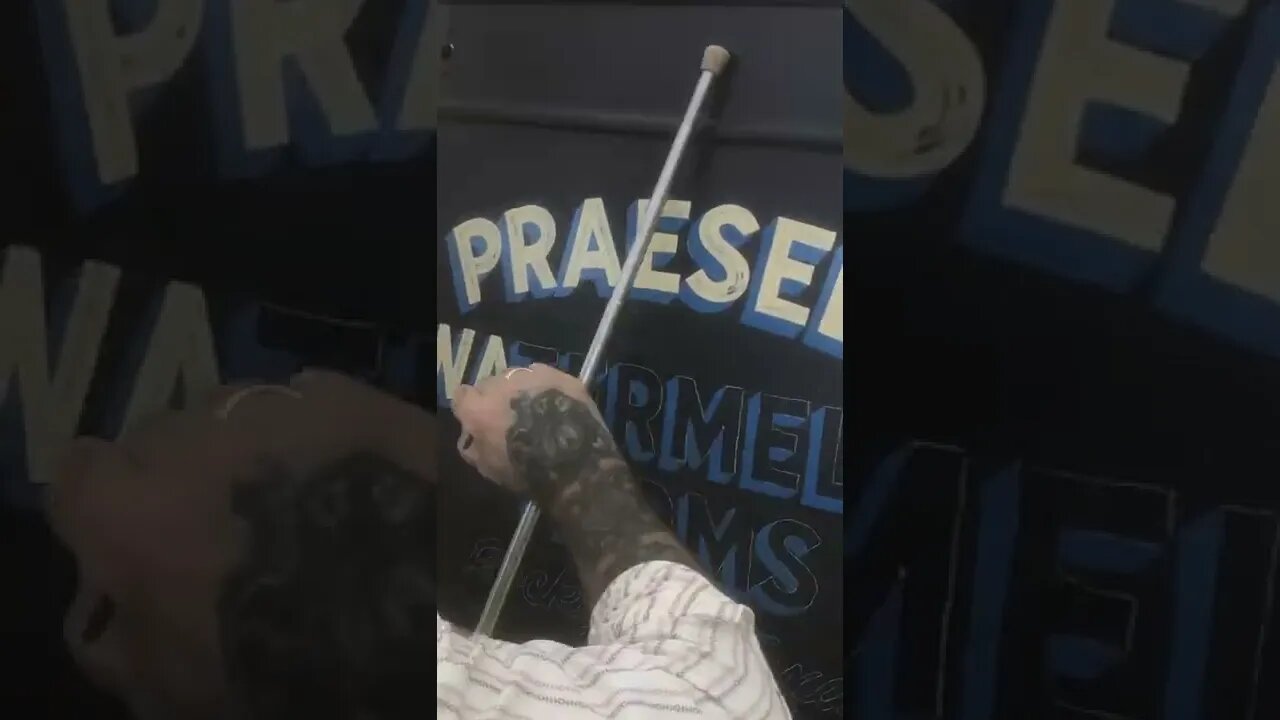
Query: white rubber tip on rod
point(714, 59)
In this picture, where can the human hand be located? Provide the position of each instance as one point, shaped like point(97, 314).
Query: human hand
point(339, 412)
point(487, 416)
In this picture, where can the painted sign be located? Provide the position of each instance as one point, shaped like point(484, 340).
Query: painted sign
point(722, 382)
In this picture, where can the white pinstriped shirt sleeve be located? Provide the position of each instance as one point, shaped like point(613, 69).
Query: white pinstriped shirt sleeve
point(664, 644)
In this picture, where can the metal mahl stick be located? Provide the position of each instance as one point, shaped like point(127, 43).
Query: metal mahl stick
point(714, 61)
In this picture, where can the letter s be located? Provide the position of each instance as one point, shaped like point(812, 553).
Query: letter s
point(948, 93)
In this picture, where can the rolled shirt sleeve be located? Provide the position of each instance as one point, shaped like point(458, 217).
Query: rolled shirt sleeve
point(664, 643)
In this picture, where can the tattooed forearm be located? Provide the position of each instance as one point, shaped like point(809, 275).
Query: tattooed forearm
point(576, 474)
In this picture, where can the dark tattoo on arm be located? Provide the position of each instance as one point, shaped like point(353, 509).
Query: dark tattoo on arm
point(575, 473)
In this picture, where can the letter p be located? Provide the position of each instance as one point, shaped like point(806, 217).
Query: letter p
point(114, 64)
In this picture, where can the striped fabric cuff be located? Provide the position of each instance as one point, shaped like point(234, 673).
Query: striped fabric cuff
point(648, 601)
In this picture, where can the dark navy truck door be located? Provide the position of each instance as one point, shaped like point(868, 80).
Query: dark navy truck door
point(723, 381)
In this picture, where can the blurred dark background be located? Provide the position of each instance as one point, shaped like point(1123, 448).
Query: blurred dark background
point(295, 244)
point(1041, 397)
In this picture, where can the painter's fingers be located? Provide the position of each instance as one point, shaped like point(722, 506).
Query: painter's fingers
point(467, 448)
point(491, 385)
point(465, 400)
point(484, 409)
point(503, 387)
point(474, 411)
point(91, 634)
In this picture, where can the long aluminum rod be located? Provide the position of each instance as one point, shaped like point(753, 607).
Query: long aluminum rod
point(713, 62)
